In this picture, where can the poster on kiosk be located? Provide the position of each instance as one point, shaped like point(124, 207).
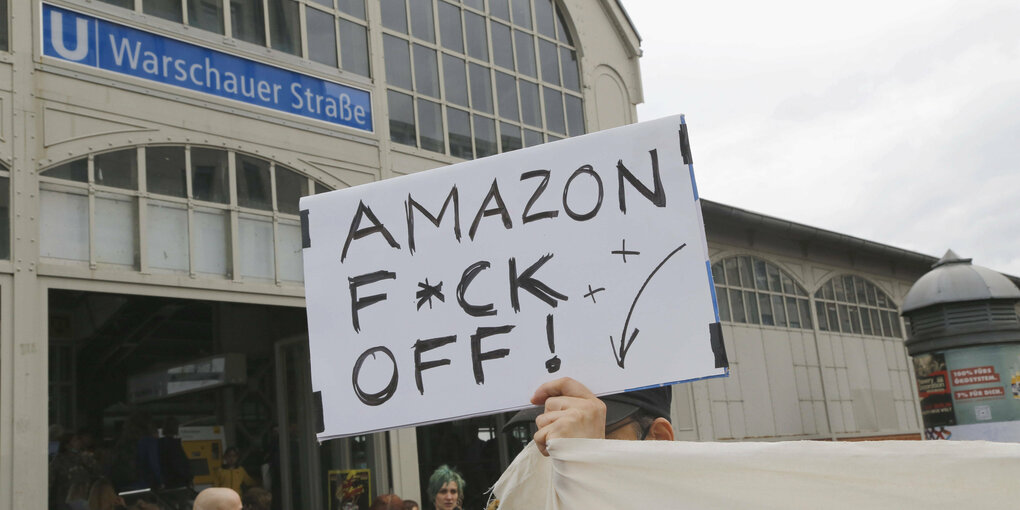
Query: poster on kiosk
point(457, 291)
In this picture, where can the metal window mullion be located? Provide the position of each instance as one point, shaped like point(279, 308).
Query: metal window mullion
point(303, 28)
point(143, 204)
point(184, 13)
point(276, 222)
point(228, 23)
point(336, 38)
point(92, 211)
point(235, 262)
point(265, 23)
point(191, 211)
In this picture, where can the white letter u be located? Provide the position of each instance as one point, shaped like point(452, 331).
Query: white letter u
point(57, 37)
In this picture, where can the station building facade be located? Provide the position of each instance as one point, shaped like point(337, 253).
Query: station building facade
point(153, 153)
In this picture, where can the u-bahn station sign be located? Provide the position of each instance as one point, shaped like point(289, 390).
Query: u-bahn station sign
point(100, 44)
point(458, 291)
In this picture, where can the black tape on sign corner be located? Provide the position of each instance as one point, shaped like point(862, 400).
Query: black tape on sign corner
point(685, 145)
point(306, 239)
point(320, 422)
point(718, 347)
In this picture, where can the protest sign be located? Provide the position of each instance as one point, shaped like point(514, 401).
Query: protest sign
point(458, 291)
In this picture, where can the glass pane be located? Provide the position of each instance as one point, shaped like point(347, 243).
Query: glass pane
point(732, 275)
point(289, 251)
point(455, 80)
point(724, 304)
point(211, 241)
point(553, 138)
point(398, 61)
point(422, 24)
point(876, 322)
point(866, 322)
point(401, 118)
point(744, 266)
point(321, 188)
point(164, 171)
point(751, 304)
point(430, 121)
point(886, 325)
point(855, 319)
point(718, 275)
point(506, 89)
point(766, 310)
point(450, 31)
point(127, 4)
point(827, 291)
point(737, 306)
point(284, 26)
point(568, 60)
point(531, 106)
point(64, 225)
point(500, 9)
point(481, 88)
point(355, 8)
point(354, 48)
point(823, 324)
point(5, 218)
point(394, 14)
point(255, 243)
point(775, 283)
point(247, 21)
point(532, 138)
point(253, 187)
point(845, 323)
point(290, 187)
point(554, 110)
point(485, 137)
point(502, 48)
point(561, 29)
point(206, 14)
point(882, 301)
point(525, 53)
point(761, 279)
point(793, 312)
point(550, 62)
point(545, 19)
point(426, 71)
point(805, 313)
point(118, 169)
point(477, 38)
point(871, 294)
point(575, 115)
point(321, 36)
point(166, 9)
point(169, 249)
point(833, 317)
point(851, 293)
point(116, 230)
point(476, 4)
point(789, 287)
point(509, 137)
point(77, 170)
point(326, 3)
point(779, 311)
point(837, 285)
point(522, 12)
point(895, 321)
point(459, 123)
point(861, 290)
point(209, 179)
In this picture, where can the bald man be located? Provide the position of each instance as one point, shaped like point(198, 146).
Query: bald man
point(217, 498)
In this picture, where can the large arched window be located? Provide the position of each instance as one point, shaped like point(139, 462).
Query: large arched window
point(334, 34)
point(176, 208)
point(851, 304)
point(754, 291)
point(474, 78)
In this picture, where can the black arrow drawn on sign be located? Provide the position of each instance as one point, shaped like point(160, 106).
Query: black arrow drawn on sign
point(625, 344)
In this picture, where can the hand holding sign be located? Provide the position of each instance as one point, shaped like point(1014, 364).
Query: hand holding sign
point(539, 238)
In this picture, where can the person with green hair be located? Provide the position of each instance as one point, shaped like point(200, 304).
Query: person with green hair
point(446, 489)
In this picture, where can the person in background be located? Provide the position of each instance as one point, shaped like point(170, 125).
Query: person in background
point(256, 498)
point(217, 498)
point(173, 462)
point(102, 496)
point(231, 475)
point(70, 468)
point(446, 489)
point(388, 502)
point(410, 504)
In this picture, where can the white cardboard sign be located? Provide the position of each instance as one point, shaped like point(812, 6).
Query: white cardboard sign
point(458, 291)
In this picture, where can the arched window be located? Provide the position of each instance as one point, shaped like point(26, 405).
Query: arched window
point(169, 208)
point(754, 291)
point(851, 304)
point(335, 35)
point(472, 81)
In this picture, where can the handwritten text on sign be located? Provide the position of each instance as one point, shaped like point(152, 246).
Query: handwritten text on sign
point(456, 292)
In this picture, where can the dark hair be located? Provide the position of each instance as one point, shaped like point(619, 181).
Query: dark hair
point(410, 504)
point(442, 476)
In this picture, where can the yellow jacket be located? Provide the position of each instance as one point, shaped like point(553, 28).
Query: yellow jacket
point(233, 478)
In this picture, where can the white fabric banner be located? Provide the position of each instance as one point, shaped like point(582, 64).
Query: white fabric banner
point(593, 473)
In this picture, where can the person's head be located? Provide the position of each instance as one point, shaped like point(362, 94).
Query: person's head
point(446, 488)
point(170, 427)
point(410, 504)
point(217, 498)
point(257, 498)
point(102, 496)
point(230, 456)
point(388, 502)
point(639, 415)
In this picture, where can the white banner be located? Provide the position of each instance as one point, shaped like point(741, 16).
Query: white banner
point(458, 291)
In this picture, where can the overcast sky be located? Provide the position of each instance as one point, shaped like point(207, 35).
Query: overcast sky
point(895, 121)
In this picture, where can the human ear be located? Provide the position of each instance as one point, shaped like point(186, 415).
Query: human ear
point(660, 430)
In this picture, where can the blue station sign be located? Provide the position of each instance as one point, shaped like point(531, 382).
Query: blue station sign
point(75, 37)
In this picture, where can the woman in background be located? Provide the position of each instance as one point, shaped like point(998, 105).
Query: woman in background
point(446, 489)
